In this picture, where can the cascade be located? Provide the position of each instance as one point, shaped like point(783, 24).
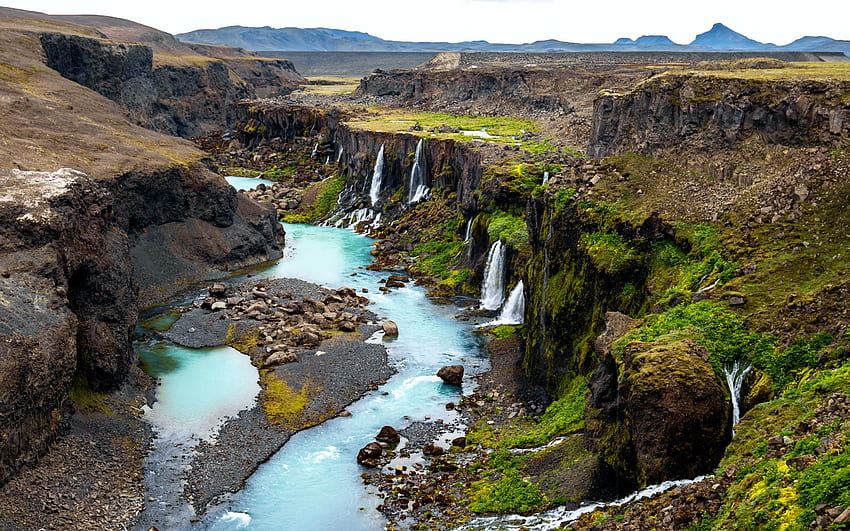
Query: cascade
point(417, 189)
point(513, 313)
point(736, 372)
point(545, 177)
point(468, 235)
point(493, 289)
point(315, 150)
point(339, 154)
point(377, 175)
point(559, 516)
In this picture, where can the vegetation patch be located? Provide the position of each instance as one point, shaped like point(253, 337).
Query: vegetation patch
point(86, 399)
point(326, 195)
point(508, 228)
point(608, 252)
point(243, 342)
point(563, 416)
point(282, 403)
point(508, 494)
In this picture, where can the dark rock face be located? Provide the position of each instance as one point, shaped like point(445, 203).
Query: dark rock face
point(73, 252)
point(180, 99)
point(664, 417)
point(389, 435)
point(716, 114)
point(521, 88)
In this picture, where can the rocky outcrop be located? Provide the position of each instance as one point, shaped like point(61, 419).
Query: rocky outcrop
point(528, 89)
point(73, 253)
point(662, 415)
point(702, 112)
point(183, 96)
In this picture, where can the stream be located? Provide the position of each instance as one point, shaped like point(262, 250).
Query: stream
point(313, 482)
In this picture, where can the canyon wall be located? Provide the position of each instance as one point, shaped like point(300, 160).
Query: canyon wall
point(179, 95)
point(77, 258)
point(705, 113)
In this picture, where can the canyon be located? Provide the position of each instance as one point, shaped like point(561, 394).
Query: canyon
point(662, 221)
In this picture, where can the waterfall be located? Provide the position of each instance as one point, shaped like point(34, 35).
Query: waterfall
point(493, 289)
point(513, 313)
point(545, 177)
point(377, 175)
point(559, 516)
point(417, 189)
point(468, 235)
point(339, 154)
point(736, 372)
point(315, 150)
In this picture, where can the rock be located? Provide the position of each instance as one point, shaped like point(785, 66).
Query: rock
point(842, 518)
point(390, 328)
point(394, 284)
point(451, 374)
point(259, 307)
point(460, 442)
point(218, 290)
point(279, 358)
point(369, 454)
point(616, 326)
point(433, 450)
point(388, 434)
point(737, 299)
point(218, 305)
point(666, 410)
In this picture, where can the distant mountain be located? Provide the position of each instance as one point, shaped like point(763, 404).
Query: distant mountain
point(718, 39)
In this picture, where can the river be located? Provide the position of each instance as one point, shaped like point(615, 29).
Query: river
point(313, 482)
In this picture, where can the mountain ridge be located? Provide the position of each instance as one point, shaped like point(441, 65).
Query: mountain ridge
point(719, 38)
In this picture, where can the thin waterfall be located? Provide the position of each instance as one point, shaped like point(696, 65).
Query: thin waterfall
point(736, 372)
point(468, 235)
point(339, 154)
point(545, 177)
point(493, 289)
point(377, 175)
point(315, 150)
point(513, 313)
point(417, 189)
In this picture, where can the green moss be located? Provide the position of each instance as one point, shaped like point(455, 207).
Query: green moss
point(327, 195)
point(721, 331)
point(245, 342)
point(563, 416)
point(508, 494)
point(608, 252)
point(504, 331)
point(86, 399)
point(282, 403)
point(510, 229)
point(783, 364)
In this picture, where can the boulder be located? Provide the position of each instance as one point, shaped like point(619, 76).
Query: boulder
point(218, 290)
point(433, 450)
point(677, 409)
point(451, 374)
point(459, 442)
point(279, 358)
point(390, 328)
point(388, 434)
point(218, 305)
point(369, 454)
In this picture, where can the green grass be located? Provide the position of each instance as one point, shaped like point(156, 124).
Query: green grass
point(563, 416)
point(508, 228)
point(608, 251)
point(503, 128)
point(326, 200)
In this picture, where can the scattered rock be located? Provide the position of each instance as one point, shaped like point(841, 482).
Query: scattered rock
point(369, 454)
point(451, 374)
point(390, 328)
point(433, 450)
point(388, 434)
point(218, 290)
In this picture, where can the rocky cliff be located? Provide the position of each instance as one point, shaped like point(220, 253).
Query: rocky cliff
point(165, 85)
point(710, 113)
point(78, 257)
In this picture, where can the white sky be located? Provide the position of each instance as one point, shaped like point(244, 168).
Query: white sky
point(497, 21)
